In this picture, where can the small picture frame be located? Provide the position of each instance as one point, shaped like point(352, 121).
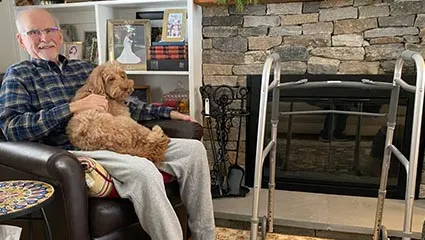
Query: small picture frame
point(69, 32)
point(89, 38)
point(142, 93)
point(73, 50)
point(174, 25)
point(94, 54)
point(129, 42)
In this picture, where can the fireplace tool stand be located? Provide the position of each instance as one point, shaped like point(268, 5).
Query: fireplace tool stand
point(410, 165)
point(225, 105)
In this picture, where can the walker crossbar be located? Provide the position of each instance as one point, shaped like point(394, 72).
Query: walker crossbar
point(267, 150)
point(345, 84)
point(400, 157)
point(410, 165)
point(334, 111)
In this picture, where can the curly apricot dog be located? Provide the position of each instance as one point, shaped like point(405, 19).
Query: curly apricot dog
point(114, 130)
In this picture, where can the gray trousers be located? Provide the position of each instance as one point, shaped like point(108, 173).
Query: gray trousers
point(139, 180)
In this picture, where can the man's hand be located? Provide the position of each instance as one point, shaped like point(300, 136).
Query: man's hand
point(180, 116)
point(92, 101)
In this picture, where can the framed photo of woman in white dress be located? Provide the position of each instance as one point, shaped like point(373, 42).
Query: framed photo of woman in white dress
point(129, 42)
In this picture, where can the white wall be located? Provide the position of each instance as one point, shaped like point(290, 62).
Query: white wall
point(8, 46)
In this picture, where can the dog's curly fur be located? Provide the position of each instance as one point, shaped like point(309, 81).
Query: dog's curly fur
point(114, 130)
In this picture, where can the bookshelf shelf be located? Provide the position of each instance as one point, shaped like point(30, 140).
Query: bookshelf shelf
point(168, 73)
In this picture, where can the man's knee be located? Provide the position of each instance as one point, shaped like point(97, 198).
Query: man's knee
point(197, 147)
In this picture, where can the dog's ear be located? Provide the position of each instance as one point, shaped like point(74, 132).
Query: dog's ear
point(96, 83)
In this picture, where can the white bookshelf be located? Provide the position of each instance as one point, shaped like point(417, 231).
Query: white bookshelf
point(185, 73)
point(93, 16)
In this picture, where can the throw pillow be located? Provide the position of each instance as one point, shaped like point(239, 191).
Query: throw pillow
point(99, 182)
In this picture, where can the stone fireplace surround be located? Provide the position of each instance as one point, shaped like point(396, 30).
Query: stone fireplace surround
point(323, 37)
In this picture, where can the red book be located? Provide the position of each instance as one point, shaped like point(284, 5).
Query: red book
point(153, 48)
point(167, 51)
point(168, 56)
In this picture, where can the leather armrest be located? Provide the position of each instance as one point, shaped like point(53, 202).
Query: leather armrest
point(177, 128)
point(58, 165)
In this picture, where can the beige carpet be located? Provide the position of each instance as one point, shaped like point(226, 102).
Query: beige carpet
point(235, 234)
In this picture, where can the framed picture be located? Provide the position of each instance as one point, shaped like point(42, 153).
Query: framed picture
point(69, 32)
point(73, 50)
point(89, 38)
point(174, 25)
point(129, 42)
point(156, 18)
point(143, 93)
point(94, 54)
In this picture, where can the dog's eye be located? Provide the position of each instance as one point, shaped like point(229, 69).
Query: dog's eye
point(111, 79)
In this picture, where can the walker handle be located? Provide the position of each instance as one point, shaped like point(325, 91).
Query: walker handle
point(407, 55)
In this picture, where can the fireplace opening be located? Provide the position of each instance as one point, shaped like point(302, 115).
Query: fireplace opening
point(332, 153)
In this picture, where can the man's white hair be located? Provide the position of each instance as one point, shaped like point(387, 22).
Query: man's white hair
point(19, 24)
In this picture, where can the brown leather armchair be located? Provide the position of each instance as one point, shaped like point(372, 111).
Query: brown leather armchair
point(72, 214)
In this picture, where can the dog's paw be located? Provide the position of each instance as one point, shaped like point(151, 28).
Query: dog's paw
point(157, 129)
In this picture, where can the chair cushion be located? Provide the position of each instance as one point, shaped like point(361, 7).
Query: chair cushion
point(99, 182)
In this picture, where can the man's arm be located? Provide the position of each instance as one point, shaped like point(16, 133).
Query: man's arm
point(141, 111)
point(18, 119)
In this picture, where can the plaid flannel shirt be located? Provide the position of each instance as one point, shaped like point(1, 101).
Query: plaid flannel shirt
point(35, 96)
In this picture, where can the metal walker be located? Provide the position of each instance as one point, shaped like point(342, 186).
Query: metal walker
point(410, 165)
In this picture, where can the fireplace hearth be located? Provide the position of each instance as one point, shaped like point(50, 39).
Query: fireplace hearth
point(333, 153)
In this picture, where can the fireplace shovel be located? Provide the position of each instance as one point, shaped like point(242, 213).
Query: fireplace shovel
point(236, 173)
point(235, 177)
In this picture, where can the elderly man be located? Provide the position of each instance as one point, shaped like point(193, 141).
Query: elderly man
point(34, 106)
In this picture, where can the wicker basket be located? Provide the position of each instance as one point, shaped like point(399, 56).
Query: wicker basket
point(177, 99)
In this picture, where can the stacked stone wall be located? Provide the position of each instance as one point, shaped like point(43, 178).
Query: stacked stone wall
point(323, 37)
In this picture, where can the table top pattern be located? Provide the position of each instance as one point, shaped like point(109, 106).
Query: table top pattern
point(20, 195)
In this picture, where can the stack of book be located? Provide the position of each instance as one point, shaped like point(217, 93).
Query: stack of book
point(168, 56)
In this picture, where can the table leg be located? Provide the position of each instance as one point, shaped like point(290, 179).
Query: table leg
point(30, 226)
point(46, 223)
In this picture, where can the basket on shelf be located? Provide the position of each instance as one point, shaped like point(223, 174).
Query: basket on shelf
point(177, 99)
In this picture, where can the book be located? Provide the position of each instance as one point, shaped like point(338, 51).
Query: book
point(168, 51)
point(168, 56)
point(182, 43)
point(167, 48)
point(167, 65)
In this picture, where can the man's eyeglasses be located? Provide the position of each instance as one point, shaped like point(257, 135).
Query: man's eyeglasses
point(37, 32)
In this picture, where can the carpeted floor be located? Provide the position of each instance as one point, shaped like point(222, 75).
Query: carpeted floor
point(236, 234)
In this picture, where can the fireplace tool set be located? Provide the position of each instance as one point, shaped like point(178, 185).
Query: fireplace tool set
point(225, 106)
point(410, 164)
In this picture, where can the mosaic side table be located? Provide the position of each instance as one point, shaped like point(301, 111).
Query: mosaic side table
point(21, 197)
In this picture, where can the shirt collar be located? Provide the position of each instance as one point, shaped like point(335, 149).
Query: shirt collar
point(50, 64)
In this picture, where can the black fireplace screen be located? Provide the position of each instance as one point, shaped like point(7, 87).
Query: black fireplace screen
point(332, 153)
